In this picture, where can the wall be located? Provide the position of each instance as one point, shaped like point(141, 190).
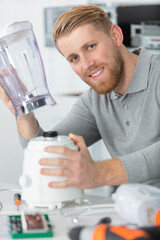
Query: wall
point(11, 153)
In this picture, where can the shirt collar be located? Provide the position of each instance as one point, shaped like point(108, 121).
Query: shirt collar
point(140, 75)
point(114, 95)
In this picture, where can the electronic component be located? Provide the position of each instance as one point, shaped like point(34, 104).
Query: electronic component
point(33, 222)
point(30, 226)
point(146, 34)
point(17, 200)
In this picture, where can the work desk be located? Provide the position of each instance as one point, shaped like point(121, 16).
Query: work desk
point(87, 213)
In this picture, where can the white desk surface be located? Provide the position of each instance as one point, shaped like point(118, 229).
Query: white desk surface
point(62, 220)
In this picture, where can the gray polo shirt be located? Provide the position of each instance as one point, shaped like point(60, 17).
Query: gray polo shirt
point(129, 125)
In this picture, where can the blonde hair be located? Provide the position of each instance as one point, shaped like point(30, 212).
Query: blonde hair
point(78, 16)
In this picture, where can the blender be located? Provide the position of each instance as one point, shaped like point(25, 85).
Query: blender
point(35, 189)
point(24, 79)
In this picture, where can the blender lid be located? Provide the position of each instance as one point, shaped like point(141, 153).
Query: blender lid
point(15, 27)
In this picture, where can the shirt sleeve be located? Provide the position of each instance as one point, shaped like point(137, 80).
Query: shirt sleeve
point(79, 120)
point(143, 165)
point(24, 142)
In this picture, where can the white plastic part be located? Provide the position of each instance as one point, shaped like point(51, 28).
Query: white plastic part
point(35, 189)
point(25, 181)
point(14, 28)
point(137, 203)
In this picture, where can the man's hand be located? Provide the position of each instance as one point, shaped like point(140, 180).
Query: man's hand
point(79, 168)
point(3, 95)
point(27, 125)
point(6, 100)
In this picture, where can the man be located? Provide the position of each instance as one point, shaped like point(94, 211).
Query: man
point(122, 107)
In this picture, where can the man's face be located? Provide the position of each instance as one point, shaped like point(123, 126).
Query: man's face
point(94, 56)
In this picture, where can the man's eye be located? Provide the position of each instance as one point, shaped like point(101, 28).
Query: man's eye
point(91, 46)
point(74, 59)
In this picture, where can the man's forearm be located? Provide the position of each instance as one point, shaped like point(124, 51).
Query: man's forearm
point(111, 172)
point(27, 126)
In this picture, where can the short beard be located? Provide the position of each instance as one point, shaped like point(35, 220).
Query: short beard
point(108, 84)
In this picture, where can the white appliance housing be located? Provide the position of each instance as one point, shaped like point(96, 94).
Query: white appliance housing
point(35, 189)
point(137, 203)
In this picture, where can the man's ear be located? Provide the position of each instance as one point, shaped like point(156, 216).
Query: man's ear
point(117, 34)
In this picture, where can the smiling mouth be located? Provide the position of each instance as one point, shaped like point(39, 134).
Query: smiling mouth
point(95, 74)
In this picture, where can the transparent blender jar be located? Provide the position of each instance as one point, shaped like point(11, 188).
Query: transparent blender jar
point(23, 77)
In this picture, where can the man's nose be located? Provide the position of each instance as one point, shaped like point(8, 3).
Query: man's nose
point(87, 63)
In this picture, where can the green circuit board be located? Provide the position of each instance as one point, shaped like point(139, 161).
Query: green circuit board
point(33, 230)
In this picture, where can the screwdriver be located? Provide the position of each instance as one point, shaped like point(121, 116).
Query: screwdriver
point(17, 200)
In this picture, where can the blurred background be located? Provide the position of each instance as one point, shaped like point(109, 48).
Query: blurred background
point(140, 22)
